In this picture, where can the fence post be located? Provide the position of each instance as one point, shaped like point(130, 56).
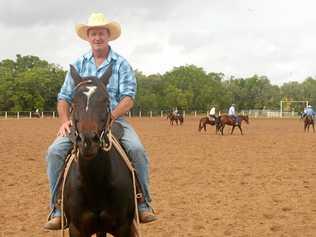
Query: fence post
point(53, 114)
point(129, 114)
point(161, 113)
point(183, 113)
point(18, 115)
point(42, 115)
point(194, 113)
point(30, 114)
point(140, 114)
point(6, 115)
point(151, 114)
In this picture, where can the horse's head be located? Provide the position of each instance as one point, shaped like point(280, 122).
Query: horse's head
point(246, 118)
point(91, 114)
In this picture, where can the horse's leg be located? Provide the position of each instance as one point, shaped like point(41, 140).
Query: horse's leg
point(240, 129)
point(125, 231)
point(222, 129)
point(313, 127)
point(74, 232)
point(233, 129)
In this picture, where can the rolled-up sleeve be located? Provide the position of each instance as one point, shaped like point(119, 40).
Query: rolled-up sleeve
point(66, 91)
point(127, 83)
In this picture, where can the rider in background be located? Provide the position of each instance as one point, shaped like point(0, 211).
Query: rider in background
point(176, 112)
point(212, 113)
point(304, 112)
point(232, 114)
point(309, 111)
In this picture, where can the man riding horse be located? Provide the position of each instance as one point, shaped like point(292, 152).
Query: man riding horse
point(233, 115)
point(212, 113)
point(308, 117)
point(121, 89)
point(308, 111)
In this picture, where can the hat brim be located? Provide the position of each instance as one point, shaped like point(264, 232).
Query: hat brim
point(113, 27)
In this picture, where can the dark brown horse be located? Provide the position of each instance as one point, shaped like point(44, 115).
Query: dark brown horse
point(98, 194)
point(36, 114)
point(178, 118)
point(206, 120)
point(228, 120)
point(308, 120)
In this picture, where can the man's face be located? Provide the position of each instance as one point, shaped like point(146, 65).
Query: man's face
point(98, 38)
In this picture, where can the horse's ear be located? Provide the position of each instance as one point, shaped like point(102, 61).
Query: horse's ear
point(74, 74)
point(106, 76)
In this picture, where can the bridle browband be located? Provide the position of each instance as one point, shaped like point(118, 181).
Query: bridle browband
point(106, 130)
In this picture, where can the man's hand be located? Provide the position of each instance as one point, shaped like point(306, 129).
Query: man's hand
point(113, 118)
point(64, 129)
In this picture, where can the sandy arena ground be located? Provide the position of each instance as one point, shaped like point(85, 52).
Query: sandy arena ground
point(260, 184)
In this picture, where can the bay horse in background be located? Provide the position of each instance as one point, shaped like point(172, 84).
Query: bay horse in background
point(228, 120)
point(98, 193)
point(206, 120)
point(308, 121)
point(178, 118)
point(36, 114)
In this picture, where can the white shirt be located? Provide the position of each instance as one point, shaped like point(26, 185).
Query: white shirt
point(231, 111)
point(212, 111)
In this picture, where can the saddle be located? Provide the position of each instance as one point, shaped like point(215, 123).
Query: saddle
point(117, 132)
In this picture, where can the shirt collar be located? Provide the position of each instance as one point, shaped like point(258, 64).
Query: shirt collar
point(112, 55)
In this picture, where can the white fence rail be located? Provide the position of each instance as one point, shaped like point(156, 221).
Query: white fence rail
point(26, 114)
point(250, 113)
point(269, 114)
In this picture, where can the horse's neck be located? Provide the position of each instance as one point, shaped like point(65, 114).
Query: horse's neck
point(95, 170)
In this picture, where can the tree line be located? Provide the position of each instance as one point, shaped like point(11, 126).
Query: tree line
point(30, 83)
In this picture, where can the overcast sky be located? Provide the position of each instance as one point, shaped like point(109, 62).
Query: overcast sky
point(276, 38)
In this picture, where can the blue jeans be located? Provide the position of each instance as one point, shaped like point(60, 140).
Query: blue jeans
point(235, 118)
point(59, 149)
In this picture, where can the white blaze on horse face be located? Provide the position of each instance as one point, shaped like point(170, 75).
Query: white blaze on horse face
point(89, 93)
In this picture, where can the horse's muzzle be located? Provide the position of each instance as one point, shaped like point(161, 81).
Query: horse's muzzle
point(88, 144)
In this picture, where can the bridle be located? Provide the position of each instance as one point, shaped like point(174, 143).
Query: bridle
point(105, 137)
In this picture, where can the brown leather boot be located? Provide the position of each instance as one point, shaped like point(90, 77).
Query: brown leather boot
point(147, 216)
point(53, 224)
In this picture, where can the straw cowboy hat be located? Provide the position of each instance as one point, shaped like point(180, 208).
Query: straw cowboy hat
point(99, 20)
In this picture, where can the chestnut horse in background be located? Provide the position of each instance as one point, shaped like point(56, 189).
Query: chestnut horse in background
point(206, 120)
point(308, 120)
point(228, 120)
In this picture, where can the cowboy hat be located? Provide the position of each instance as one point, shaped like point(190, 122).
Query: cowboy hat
point(99, 20)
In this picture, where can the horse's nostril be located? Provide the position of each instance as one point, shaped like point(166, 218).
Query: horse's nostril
point(95, 138)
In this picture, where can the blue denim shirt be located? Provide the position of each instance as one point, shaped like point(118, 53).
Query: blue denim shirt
point(310, 112)
point(122, 82)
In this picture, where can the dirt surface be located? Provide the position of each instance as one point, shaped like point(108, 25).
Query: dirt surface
point(260, 184)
